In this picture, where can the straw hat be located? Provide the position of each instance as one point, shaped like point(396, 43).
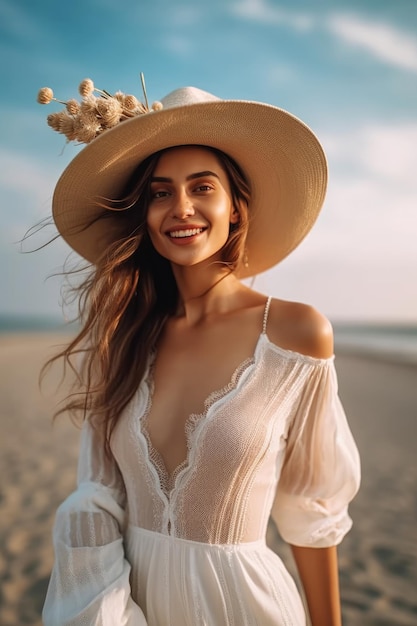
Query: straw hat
point(281, 157)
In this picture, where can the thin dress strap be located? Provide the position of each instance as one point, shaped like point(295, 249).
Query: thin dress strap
point(266, 313)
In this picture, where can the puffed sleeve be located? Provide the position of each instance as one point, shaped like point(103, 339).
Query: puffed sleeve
point(321, 469)
point(89, 584)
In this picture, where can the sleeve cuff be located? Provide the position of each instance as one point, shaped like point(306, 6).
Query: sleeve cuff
point(310, 523)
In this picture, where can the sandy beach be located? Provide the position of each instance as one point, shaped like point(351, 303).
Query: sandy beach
point(378, 559)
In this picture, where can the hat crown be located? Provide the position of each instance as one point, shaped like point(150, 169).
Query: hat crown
point(187, 95)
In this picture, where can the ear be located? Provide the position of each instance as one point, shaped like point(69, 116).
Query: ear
point(234, 216)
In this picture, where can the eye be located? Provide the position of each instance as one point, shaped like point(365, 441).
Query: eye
point(204, 187)
point(160, 193)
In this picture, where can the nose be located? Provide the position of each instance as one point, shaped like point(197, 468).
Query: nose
point(183, 206)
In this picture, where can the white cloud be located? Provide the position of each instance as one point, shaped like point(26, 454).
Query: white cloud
point(187, 15)
point(391, 152)
point(23, 177)
point(386, 152)
point(177, 45)
point(278, 73)
point(383, 41)
point(26, 187)
point(373, 193)
point(261, 11)
point(370, 222)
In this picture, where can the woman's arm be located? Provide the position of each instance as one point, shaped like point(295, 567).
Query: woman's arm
point(319, 575)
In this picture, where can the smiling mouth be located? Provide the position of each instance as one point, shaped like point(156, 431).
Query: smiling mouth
point(188, 232)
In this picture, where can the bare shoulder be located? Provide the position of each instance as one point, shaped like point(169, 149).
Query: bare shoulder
point(300, 328)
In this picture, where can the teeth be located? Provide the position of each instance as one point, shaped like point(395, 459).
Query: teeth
point(189, 232)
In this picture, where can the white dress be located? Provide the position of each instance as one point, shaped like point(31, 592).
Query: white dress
point(136, 547)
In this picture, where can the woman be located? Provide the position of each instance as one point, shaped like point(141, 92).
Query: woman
point(207, 406)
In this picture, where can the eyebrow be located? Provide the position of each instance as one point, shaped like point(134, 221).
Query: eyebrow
point(163, 179)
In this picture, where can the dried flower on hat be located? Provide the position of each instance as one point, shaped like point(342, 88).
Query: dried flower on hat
point(67, 126)
point(73, 106)
point(110, 111)
point(86, 87)
point(54, 120)
point(45, 95)
point(84, 121)
point(86, 130)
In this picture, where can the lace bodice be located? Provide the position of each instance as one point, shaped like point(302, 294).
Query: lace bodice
point(168, 481)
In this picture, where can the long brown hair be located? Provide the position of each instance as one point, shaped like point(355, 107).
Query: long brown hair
point(128, 296)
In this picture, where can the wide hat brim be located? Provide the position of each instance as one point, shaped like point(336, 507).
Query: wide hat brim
point(281, 157)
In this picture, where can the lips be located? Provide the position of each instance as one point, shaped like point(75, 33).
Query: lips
point(182, 233)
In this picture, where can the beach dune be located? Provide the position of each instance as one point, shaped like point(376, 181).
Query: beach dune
point(38, 468)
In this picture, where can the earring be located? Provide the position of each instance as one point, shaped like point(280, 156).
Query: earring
point(245, 258)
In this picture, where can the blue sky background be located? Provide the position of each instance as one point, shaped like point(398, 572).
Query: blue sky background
point(347, 68)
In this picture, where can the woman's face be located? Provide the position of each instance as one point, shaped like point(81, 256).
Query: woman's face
point(191, 207)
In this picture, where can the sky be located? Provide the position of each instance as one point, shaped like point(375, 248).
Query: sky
point(347, 68)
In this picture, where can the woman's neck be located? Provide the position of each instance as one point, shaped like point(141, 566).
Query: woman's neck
point(205, 290)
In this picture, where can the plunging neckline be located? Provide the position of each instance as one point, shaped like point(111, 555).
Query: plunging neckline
point(194, 423)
